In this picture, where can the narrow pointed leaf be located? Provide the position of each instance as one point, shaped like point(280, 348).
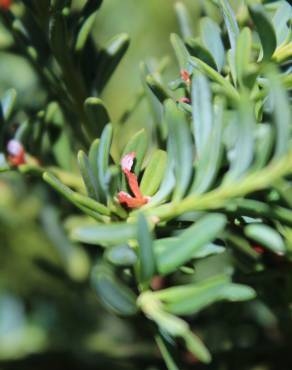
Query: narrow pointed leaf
point(213, 75)
point(147, 263)
point(154, 173)
point(114, 294)
point(157, 88)
point(180, 50)
point(230, 22)
point(282, 114)
point(243, 53)
point(243, 150)
point(97, 114)
point(192, 298)
point(171, 365)
point(138, 144)
point(280, 22)
point(87, 175)
point(266, 236)
point(121, 255)
point(183, 19)
point(202, 232)
point(202, 111)
point(7, 104)
point(196, 49)
point(211, 37)
point(265, 30)
point(110, 57)
point(181, 146)
point(208, 164)
point(112, 234)
point(103, 158)
point(197, 347)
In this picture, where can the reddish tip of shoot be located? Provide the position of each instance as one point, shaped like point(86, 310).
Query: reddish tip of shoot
point(16, 153)
point(184, 99)
point(127, 161)
point(185, 76)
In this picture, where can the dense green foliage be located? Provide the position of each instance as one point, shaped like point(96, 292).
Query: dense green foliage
point(190, 216)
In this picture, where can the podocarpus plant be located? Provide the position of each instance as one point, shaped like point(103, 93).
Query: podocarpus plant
point(211, 188)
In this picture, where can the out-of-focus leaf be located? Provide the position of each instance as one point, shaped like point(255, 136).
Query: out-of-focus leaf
point(183, 19)
point(109, 58)
point(103, 157)
point(157, 88)
point(230, 22)
point(208, 163)
point(266, 236)
point(7, 104)
point(154, 173)
point(196, 49)
point(280, 22)
point(243, 152)
point(173, 326)
point(202, 111)
point(121, 255)
point(70, 195)
point(147, 265)
point(84, 32)
point(243, 52)
point(181, 51)
point(190, 299)
point(97, 115)
point(213, 75)
point(233, 32)
point(114, 294)
point(138, 144)
point(4, 166)
point(211, 37)
point(202, 232)
point(155, 105)
point(263, 146)
point(166, 186)
point(208, 250)
point(87, 175)
point(197, 347)
point(93, 162)
point(265, 30)
point(181, 147)
point(112, 234)
point(166, 353)
point(282, 114)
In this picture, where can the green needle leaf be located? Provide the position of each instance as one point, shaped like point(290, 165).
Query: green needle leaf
point(265, 30)
point(105, 235)
point(97, 115)
point(202, 232)
point(154, 173)
point(181, 147)
point(147, 263)
point(266, 236)
point(211, 37)
point(114, 294)
point(202, 111)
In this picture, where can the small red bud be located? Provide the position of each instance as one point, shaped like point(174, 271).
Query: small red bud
point(185, 76)
point(258, 249)
point(16, 153)
point(184, 100)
